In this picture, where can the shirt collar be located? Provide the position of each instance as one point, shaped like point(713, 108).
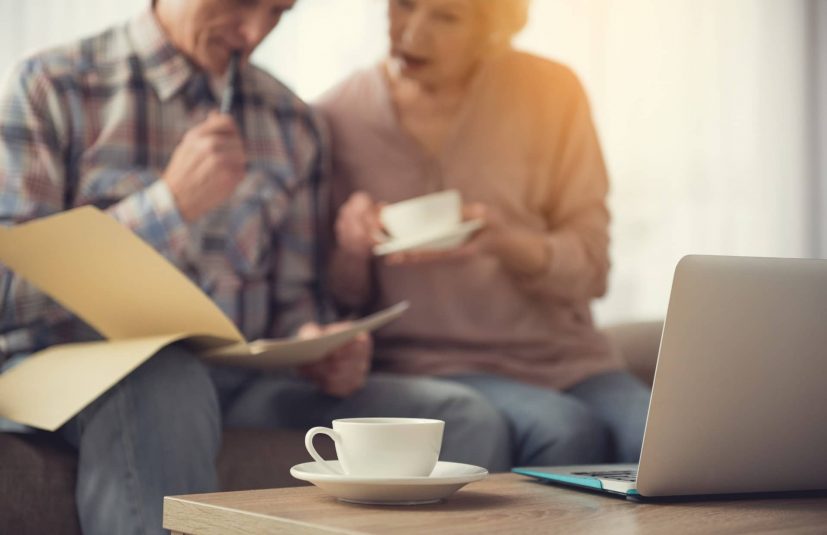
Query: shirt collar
point(165, 67)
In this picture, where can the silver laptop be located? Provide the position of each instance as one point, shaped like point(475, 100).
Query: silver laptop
point(739, 400)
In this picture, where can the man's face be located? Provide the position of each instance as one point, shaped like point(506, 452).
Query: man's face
point(208, 31)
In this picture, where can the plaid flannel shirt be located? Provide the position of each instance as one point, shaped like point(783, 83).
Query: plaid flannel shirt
point(97, 122)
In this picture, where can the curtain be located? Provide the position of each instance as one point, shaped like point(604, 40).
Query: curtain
point(701, 105)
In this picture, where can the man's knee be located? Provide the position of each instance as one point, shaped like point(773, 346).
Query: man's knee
point(173, 391)
point(172, 368)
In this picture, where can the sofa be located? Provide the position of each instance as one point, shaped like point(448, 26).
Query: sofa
point(37, 471)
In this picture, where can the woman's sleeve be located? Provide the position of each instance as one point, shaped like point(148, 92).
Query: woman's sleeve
point(576, 213)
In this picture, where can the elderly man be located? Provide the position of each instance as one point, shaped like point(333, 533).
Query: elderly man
point(127, 121)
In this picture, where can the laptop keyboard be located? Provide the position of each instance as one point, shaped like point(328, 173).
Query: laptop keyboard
point(618, 475)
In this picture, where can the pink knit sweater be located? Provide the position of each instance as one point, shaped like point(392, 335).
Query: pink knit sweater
point(524, 142)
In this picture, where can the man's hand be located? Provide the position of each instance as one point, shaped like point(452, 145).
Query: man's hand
point(206, 166)
point(345, 370)
point(358, 227)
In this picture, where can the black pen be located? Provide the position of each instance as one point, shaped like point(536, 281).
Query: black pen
point(232, 78)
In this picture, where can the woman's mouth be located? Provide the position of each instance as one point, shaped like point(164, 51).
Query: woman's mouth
point(413, 62)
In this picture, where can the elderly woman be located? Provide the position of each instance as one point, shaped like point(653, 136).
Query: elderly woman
point(455, 107)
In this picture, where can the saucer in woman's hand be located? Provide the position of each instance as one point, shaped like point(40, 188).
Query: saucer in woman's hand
point(431, 241)
point(446, 479)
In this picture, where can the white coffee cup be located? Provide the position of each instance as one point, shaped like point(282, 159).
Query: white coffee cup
point(382, 447)
point(428, 214)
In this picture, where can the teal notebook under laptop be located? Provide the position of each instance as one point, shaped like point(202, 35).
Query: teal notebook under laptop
point(617, 479)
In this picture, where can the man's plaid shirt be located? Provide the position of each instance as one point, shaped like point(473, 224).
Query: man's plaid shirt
point(97, 122)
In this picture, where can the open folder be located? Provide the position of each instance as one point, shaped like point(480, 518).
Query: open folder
point(138, 301)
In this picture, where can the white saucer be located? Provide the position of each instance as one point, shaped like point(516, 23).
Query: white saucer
point(442, 240)
point(446, 479)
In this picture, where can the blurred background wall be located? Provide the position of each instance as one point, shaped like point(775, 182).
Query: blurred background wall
point(708, 112)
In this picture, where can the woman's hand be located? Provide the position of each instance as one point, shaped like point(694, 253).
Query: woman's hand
point(522, 251)
point(358, 228)
point(343, 371)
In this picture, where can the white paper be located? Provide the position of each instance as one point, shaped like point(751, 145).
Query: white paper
point(274, 354)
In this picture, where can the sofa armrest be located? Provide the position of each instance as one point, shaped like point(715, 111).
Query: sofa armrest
point(638, 343)
point(37, 485)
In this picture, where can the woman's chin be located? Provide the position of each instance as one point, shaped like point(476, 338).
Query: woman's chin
point(420, 74)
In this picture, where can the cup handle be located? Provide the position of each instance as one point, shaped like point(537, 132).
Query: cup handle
point(308, 443)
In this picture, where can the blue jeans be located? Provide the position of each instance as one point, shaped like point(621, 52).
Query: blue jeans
point(598, 420)
point(158, 431)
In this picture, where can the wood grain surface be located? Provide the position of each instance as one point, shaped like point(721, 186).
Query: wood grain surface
point(503, 503)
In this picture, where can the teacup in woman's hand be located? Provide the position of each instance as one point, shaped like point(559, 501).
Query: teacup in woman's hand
point(428, 214)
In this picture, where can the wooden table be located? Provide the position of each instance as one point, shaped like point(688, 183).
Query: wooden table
point(504, 503)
